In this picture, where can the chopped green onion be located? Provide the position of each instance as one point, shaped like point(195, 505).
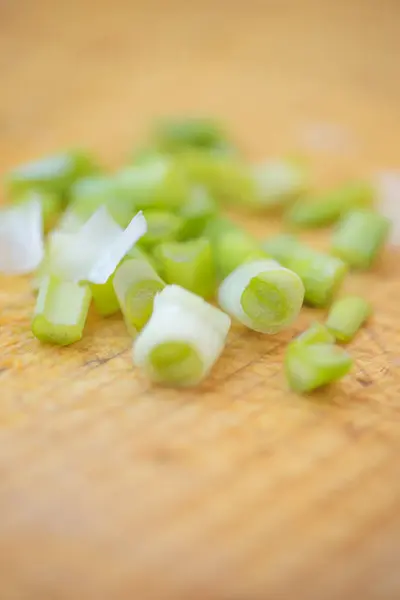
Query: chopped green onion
point(329, 207)
point(61, 311)
point(281, 247)
point(310, 366)
point(162, 226)
point(267, 185)
point(197, 211)
point(262, 295)
point(315, 334)
point(182, 340)
point(146, 154)
point(89, 194)
point(174, 294)
point(321, 273)
point(51, 174)
point(231, 246)
point(346, 317)
point(136, 283)
point(140, 254)
point(278, 183)
point(188, 264)
point(179, 134)
point(94, 251)
point(105, 298)
point(70, 222)
point(21, 237)
point(156, 184)
point(51, 206)
point(359, 237)
point(226, 178)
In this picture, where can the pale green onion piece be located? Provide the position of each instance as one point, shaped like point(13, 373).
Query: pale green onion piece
point(162, 226)
point(89, 194)
point(177, 134)
point(183, 339)
point(231, 246)
point(329, 207)
point(281, 247)
point(21, 237)
point(139, 253)
point(188, 264)
point(359, 237)
point(310, 366)
point(159, 184)
point(146, 154)
point(95, 250)
point(227, 178)
point(136, 283)
point(51, 203)
point(262, 295)
point(50, 174)
point(61, 311)
point(278, 183)
point(346, 316)
point(315, 334)
point(173, 294)
point(70, 222)
point(197, 211)
point(105, 298)
point(322, 274)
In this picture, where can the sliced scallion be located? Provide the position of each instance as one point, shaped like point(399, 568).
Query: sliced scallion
point(182, 340)
point(310, 366)
point(321, 273)
point(177, 134)
point(51, 204)
point(50, 174)
point(359, 237)
point(329, 207)
point(231, 246)
point(94, 251)
point(89, 194)
point(160, 183)
point(262, 295)
point(315, 334)
point(278, 183)
point(21, 237)
point(61, 311)
point(162, 226)
point(227, 178)
point(197, 211)
point(188, 264)
point(105, 298)
point(346, 316)
point(136, 283)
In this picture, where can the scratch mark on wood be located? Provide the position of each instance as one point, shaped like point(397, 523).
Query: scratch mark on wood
point(97, 362)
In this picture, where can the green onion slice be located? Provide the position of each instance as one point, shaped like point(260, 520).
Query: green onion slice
point(183, 339)
point(262, 295)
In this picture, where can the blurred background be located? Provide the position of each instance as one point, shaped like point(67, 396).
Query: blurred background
point(282, 73)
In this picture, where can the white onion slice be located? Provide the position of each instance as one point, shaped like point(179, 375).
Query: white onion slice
point(21, 237)
point(95, 250)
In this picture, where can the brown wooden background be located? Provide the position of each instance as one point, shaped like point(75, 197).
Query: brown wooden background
point(240, 490)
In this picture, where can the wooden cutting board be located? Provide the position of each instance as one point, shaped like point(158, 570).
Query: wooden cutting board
point(111, 488)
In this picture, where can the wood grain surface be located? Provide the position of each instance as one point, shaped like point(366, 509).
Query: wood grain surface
point(239, 490)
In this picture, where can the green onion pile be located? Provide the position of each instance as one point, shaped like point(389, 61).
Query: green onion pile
point(150, 241)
